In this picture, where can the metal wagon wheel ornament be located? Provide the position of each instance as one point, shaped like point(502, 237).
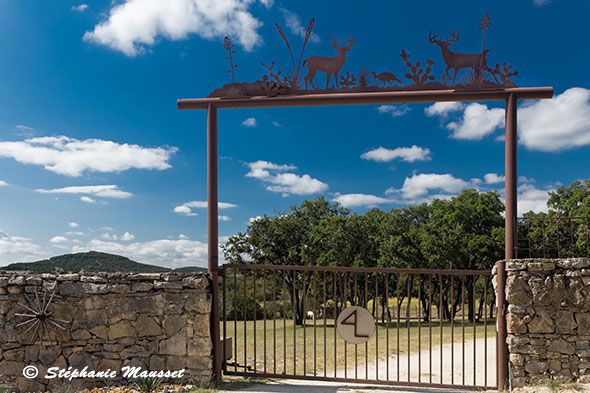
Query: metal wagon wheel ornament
point(39, 322)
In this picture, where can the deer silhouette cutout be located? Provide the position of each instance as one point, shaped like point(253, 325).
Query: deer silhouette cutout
point(455, 60)
point(329, 65)
point(386, 77)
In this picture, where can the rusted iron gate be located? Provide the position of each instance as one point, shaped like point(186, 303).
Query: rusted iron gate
point(432, 325)
point(509, 95)
point(553, 237)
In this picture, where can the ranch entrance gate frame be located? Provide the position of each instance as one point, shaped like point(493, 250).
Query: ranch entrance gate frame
point(274, 91)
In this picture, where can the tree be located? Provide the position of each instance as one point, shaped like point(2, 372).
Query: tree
point(285, 239)
point(461, 233)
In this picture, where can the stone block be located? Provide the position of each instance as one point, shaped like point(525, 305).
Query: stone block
point(120, 329)
point(147, 326)
point(562, 346)
point(173, 324)
point(583, 321)
point(175, 345)
point(564, 322)
point(536, 366)
point(573, 263)
point(515, 325)
point(541, 323)
point(517, 291)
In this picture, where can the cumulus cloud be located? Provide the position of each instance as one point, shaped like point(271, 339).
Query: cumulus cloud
point(71, 157)
point(420, 185)
point(250, 122)
point(478, 121)
point(284, 182)
point(186, 208)
point(19, 249)
point(79, 8)
point(408, 154)
point(73, 224)
point(86, 199)
point(133, 25)
point(127, 237)
point(3, 183)
point(443, 108)
point(530, 198)
point(557, 124)
point(356, 200)
point(493, 178)
point(163, 252)
point(294, 25)
point(394, 110)
point(58, 239)
point(560, 123)
point(223, 218)
point(104, 191)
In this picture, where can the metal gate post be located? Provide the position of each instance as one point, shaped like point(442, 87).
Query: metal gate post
point(509, 225)
point(212, 236)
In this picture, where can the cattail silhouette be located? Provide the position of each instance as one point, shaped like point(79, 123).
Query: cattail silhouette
point(307, 35)
point(284, 37)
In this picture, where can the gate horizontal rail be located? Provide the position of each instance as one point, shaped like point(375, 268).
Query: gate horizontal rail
point(431, 324)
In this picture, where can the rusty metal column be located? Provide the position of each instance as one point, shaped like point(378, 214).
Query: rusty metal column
point(212, 235)
point(509, 225)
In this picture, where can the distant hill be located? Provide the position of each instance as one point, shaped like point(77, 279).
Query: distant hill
point(91, 261)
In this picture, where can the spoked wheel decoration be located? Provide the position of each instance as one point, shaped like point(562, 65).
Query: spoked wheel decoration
point(40, 321)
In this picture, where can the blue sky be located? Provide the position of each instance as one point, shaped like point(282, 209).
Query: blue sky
point(95, 155)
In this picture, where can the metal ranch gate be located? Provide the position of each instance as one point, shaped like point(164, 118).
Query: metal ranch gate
point(280, 323)
point(419, 315)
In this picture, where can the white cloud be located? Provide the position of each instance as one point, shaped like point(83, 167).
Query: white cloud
point(420, 185)
point(294, 25)
point(408, 154)
point(21, 127)
point(127, 237)
point(560, 123)
point(540, 3)
point(75, 233)
point(276, 124)
point(285, 183)
point(133, 25)
point(250, 122)
point(182, 236)
point(73, 224)
point(3, 183)
point(493, 178)
point(524, 179)
point(104, 191)
point(163, 252)
point(223, 218)
point(443, 108)
point(58, 239)
point(186, 208)
point(478, 121)
point(87, 199)
point(19, 249)
point(530, 198)
point(71, 157)
point(394, 110)
point(79, 8)
point(355, 200)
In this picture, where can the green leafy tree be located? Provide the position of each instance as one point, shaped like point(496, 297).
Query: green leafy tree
point(285, 239)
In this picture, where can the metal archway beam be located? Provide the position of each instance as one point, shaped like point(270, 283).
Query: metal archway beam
point(389, 97)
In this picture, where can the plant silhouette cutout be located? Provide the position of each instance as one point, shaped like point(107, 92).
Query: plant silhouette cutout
point(458, 71)
point(346, 321)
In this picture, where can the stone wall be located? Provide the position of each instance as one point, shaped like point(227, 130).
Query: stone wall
point(154, 321)
point(548, 320)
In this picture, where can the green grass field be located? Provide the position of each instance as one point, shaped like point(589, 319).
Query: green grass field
point(283, 348)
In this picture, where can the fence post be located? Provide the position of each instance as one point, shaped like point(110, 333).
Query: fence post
point(212, 236)
point(509, 225)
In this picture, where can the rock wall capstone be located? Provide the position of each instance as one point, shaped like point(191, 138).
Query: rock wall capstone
point(155, 321)
point(548, 320)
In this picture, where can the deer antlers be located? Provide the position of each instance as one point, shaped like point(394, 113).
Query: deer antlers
point(433, 37)
point(336, 43)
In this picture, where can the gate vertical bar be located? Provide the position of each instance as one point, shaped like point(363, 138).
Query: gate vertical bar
point(212, 234)
point(510, 222)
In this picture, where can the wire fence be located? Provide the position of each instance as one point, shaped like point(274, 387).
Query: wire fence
point(553, 237)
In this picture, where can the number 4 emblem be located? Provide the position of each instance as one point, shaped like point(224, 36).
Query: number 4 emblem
point(346, 321)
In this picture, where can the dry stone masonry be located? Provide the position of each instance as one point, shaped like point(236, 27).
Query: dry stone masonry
point(153, 321)
point(548, 320)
